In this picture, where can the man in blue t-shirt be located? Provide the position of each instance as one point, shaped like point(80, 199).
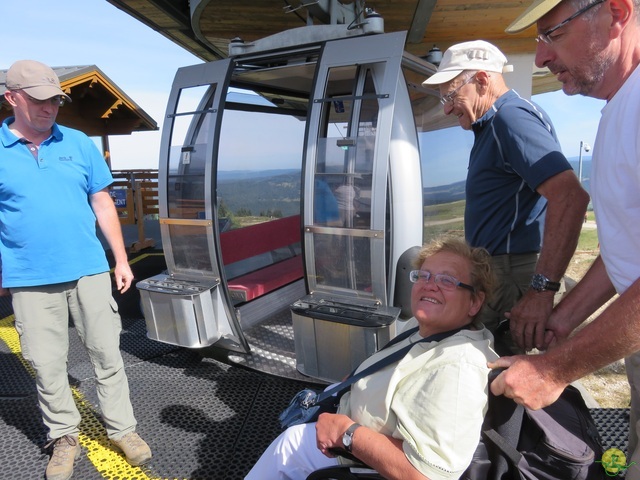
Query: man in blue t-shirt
point(524, 204)
point(53, 188)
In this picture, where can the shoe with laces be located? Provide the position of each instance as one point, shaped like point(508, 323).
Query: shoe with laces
point(66, 450)
point(134, 448)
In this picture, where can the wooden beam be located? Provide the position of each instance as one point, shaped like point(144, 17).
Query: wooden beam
point(421, 19)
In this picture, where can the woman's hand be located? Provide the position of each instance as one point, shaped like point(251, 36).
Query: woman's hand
point(329, 430)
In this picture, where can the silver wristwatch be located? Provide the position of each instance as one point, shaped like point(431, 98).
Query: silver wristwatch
point(540, 283)
point(347, 437)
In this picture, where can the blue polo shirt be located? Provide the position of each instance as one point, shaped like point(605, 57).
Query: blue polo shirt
point(47, 226)
point(515, 150)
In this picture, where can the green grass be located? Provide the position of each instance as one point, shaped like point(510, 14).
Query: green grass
point(588, 240)
point(444, 211)
point(432, 232)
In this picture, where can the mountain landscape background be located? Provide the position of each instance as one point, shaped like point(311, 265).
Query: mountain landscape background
point(254, 192)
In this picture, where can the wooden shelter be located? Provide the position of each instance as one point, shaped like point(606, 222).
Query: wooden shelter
point(99, 107)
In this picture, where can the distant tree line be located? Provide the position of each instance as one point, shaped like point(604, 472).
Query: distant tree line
point(276, 196)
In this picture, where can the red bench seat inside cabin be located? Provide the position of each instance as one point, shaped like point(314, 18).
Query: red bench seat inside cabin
point(263, 238)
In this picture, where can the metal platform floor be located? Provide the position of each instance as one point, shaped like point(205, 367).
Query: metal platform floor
point(204, 418)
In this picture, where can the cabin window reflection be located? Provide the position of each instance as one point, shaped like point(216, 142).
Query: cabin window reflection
point(190, 137)
point(346, 143)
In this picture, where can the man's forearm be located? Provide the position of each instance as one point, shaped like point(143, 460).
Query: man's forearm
point(591, 292)
point(613, 335)
point(109, 223)
point(563, 224)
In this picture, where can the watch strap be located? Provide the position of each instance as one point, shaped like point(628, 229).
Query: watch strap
point(555, 286)
point(349, 433)
point(541, 283)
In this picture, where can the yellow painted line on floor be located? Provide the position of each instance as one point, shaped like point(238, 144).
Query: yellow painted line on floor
point(9, 335)
point(93, 438)
point(145, 255)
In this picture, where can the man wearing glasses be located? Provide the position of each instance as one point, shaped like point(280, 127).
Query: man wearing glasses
point(593, 47)
point(524, 204)
point(53, 188)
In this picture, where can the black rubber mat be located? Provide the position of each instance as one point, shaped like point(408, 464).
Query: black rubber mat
point(203, 419)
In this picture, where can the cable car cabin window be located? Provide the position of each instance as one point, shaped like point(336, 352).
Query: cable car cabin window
point(186, 190)
point(259, 160)
point(344, 179)
point(344, 163)
point(190, 248)
point(188, 153)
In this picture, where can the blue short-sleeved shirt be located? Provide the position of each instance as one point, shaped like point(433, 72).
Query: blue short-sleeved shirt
point(515, 150)
point(47, 226)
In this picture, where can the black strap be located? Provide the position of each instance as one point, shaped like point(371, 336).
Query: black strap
point(505, 424)
point(341, 388)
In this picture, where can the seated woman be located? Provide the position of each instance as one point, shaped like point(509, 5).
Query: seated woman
point(421, 417)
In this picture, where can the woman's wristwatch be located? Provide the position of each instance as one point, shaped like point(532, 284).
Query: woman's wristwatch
point(347, 437)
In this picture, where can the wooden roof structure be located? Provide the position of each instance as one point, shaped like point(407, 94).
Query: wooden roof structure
point(205, 27)
point(99, 108)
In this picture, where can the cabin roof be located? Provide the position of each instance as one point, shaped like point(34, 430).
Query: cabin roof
point(205, 27)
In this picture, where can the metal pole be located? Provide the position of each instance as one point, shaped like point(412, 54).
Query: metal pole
point(580, 164)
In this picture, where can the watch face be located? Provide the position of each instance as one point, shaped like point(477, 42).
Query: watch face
point(347, 438)
point(541, 283)
point(538, 282)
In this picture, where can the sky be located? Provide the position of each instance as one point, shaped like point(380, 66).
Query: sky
point(143, 63)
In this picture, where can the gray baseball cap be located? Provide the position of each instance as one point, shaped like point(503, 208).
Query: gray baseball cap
point(36, 79)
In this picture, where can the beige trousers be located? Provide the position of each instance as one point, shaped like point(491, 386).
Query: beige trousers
point(42, 321)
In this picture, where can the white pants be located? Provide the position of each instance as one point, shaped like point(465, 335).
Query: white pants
point(291, 456)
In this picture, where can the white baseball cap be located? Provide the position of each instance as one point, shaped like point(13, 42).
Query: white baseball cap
point(475, 55)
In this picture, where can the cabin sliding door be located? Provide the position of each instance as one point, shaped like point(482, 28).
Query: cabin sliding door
point(346, 209)
point(188, 213)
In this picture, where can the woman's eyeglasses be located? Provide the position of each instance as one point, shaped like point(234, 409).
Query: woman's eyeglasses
point(443, 280)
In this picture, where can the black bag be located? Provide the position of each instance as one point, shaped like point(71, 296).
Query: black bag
point(305, 408)
point(559, 442)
